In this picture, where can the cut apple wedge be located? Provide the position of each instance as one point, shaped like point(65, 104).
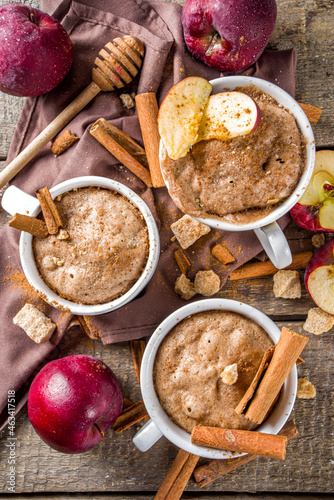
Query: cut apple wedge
point(227, 115)
point(180, 115)
point(315, 209)
point(319, 277)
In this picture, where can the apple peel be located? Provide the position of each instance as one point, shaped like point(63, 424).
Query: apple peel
point(180, 115)
point(315, 209)
point(319, 277)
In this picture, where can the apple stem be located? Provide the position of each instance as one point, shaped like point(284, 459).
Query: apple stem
point(32, 18)
point(216, 38)
point(101, 432)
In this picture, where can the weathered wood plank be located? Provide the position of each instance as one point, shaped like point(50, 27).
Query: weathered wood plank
point(186, 496)
point(119, 466)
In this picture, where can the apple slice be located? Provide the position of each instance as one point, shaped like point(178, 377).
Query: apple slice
point(180, 115)
point(319, 277)
point(227, 115)
point(315, 209)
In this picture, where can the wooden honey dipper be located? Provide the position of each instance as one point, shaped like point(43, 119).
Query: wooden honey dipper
point(116, 65)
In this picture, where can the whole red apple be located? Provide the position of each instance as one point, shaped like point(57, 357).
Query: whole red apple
point(228, 35)
point(319, 277)
point(315, 209)
point(73, 401)
point(36, 53)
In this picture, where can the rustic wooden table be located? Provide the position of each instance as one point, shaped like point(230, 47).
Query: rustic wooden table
point(119, 469)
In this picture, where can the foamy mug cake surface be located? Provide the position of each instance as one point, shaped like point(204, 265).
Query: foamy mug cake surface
point(190, 360)
point(103, 251)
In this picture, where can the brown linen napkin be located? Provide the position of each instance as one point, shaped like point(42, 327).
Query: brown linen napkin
point(166, 62)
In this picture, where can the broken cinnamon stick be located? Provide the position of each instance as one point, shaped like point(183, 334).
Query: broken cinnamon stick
point(137, 349)
point(287, 351)
point(86, 325)
point(177, 477)
point(312, 113)
point(252, 388)
point(123, 147)
point(214, 469)
point(49, 209)
point(63, 142)
point(222, 254)
point(147, 108)
point(257, 269)
point(130, 416)
point(30, 225)
point(182, 261)
point(253, 442)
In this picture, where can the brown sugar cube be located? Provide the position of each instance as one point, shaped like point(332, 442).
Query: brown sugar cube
point(184, 287)
point(287, 284)
point(229, 375)
point(222, 254)
point(207, 283)
point(36, 325)
point(182, 261)
point(127, 101)
point(305, 389)
point(318, 321)
point(318, 240)
point(187, 230)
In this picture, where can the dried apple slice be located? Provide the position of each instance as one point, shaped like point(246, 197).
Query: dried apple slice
point(180, 115)
point(319, 277)
point(227, 115)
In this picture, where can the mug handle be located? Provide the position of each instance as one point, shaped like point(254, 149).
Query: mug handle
point(275, 244)
point(147, 436)
point(16, 201)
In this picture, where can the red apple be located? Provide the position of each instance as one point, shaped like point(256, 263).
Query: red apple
point(315, 209)
point(228, 35)
point(73, 401)
point(319, 277)
point(36, 53)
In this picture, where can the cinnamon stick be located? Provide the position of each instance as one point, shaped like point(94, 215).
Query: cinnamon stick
point(63, 142)
point(252, 388)
point(127, 403)
point(147, 108)
point(130, 416)
point(123, 147)
point(257, 269)
point(214, 469)
point(182, 261)
point(137, 349)
point(49, 209)
point(177, 477)
point(222, 254)
point(312, 113)
point(30, 225)
point(287, 351)
point(253, 442)
point(86, 325)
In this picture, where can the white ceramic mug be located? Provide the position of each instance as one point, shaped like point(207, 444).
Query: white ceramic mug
point(160, 424)
point(267, 230)
point(17, 201)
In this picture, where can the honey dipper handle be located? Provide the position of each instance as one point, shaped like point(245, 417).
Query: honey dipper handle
point(48, 133)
